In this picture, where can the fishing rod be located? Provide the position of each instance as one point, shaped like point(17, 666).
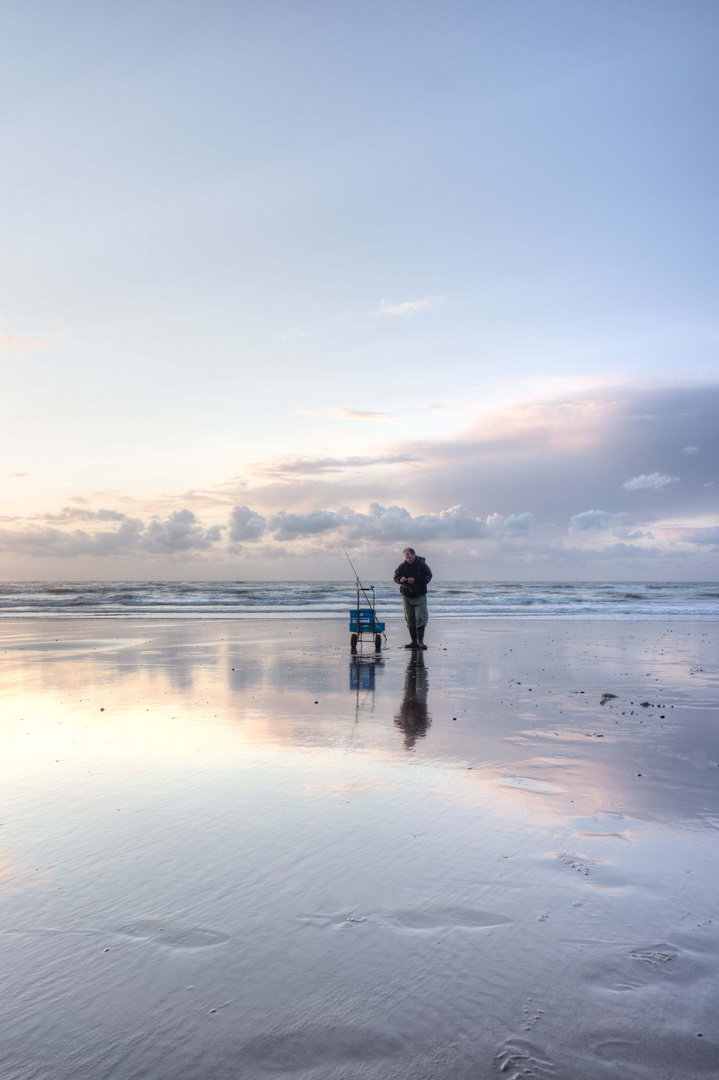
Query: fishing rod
point(359, 583)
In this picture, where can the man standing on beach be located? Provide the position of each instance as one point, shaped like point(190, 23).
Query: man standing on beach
point(413, 576)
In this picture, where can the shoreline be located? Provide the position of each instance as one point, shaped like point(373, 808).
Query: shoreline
point(394, 617)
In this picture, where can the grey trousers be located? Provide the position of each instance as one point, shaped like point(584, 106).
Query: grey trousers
point(415, 612)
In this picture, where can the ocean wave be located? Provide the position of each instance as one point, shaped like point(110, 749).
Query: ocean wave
point(304, 599)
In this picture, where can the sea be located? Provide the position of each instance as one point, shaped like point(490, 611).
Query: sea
point(687, 601)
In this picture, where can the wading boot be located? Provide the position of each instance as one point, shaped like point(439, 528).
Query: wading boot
point(420, 638)
point(413, 644)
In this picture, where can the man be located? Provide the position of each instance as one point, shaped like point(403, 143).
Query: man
point(413, 575)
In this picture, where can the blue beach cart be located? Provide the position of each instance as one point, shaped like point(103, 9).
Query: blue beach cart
point(363, 620)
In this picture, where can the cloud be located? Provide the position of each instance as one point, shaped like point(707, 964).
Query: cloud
point(294, 333)
point(625, 533)
point(443, 408)
point(180, 532)
point(44, 542)
point(291, 526)
point(15, 475)
point(19, 344)
point(384, 524)
point(395, 523)
point(626, 551)
point(461, 496)
point(409, 307)
point(593, 519)
point(311, 466)
point(708, 536)
point(351, 414)
point(246, 525)
point(76, 513)
point(557, 458)
point(515, 523)
point(654, 481)
point(271, 552)
point(690, 450)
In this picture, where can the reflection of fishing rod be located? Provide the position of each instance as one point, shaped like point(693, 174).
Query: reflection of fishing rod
point(359, 583)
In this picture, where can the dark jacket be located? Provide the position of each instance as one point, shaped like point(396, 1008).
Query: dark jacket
point(419, 571)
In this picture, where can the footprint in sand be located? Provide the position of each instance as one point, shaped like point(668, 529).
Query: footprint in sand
point(328, 919)
point(663, 1056)
point(445, 918)
point(644, 965)
point(520, 1057)
point(598, 873)
point(653, 956)
point(416, 919)
point(177, 937)
point(607, 825)
point(532, 784)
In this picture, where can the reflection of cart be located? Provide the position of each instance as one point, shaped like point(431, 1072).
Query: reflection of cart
point(363, 620)
point(363, 674)
point(363, 670)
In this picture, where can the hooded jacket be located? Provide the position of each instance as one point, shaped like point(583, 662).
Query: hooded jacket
point(419, 571)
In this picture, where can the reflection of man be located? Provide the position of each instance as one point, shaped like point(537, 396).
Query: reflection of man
point(413, 576)
point(412, 716)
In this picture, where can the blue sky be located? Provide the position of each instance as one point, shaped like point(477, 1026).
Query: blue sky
point(314, 258)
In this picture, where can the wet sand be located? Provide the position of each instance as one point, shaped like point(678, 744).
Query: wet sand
point(229, 850)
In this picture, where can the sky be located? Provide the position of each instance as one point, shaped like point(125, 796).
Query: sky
point(280, 277)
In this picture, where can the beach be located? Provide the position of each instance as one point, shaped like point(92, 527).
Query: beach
point(229, 849)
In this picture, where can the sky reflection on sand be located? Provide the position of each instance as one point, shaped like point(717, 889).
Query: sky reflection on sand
point(258, 798)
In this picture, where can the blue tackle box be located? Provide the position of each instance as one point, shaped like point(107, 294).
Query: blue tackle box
point(368, 624)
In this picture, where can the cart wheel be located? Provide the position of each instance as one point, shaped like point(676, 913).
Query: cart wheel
point(353, 643)
point(378, 643)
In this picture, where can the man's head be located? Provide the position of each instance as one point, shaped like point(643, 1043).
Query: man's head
point(409, 555)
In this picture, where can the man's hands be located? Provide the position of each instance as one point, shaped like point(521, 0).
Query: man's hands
point(406, 581)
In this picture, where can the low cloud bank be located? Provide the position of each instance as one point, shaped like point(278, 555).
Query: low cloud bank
point(537, 488)
point(381, 524)
point(180, 532)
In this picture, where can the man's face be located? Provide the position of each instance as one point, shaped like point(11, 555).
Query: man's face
point(409, 557)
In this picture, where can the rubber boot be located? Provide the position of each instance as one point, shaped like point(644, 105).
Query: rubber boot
point(413, 644)
point(420, 638)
